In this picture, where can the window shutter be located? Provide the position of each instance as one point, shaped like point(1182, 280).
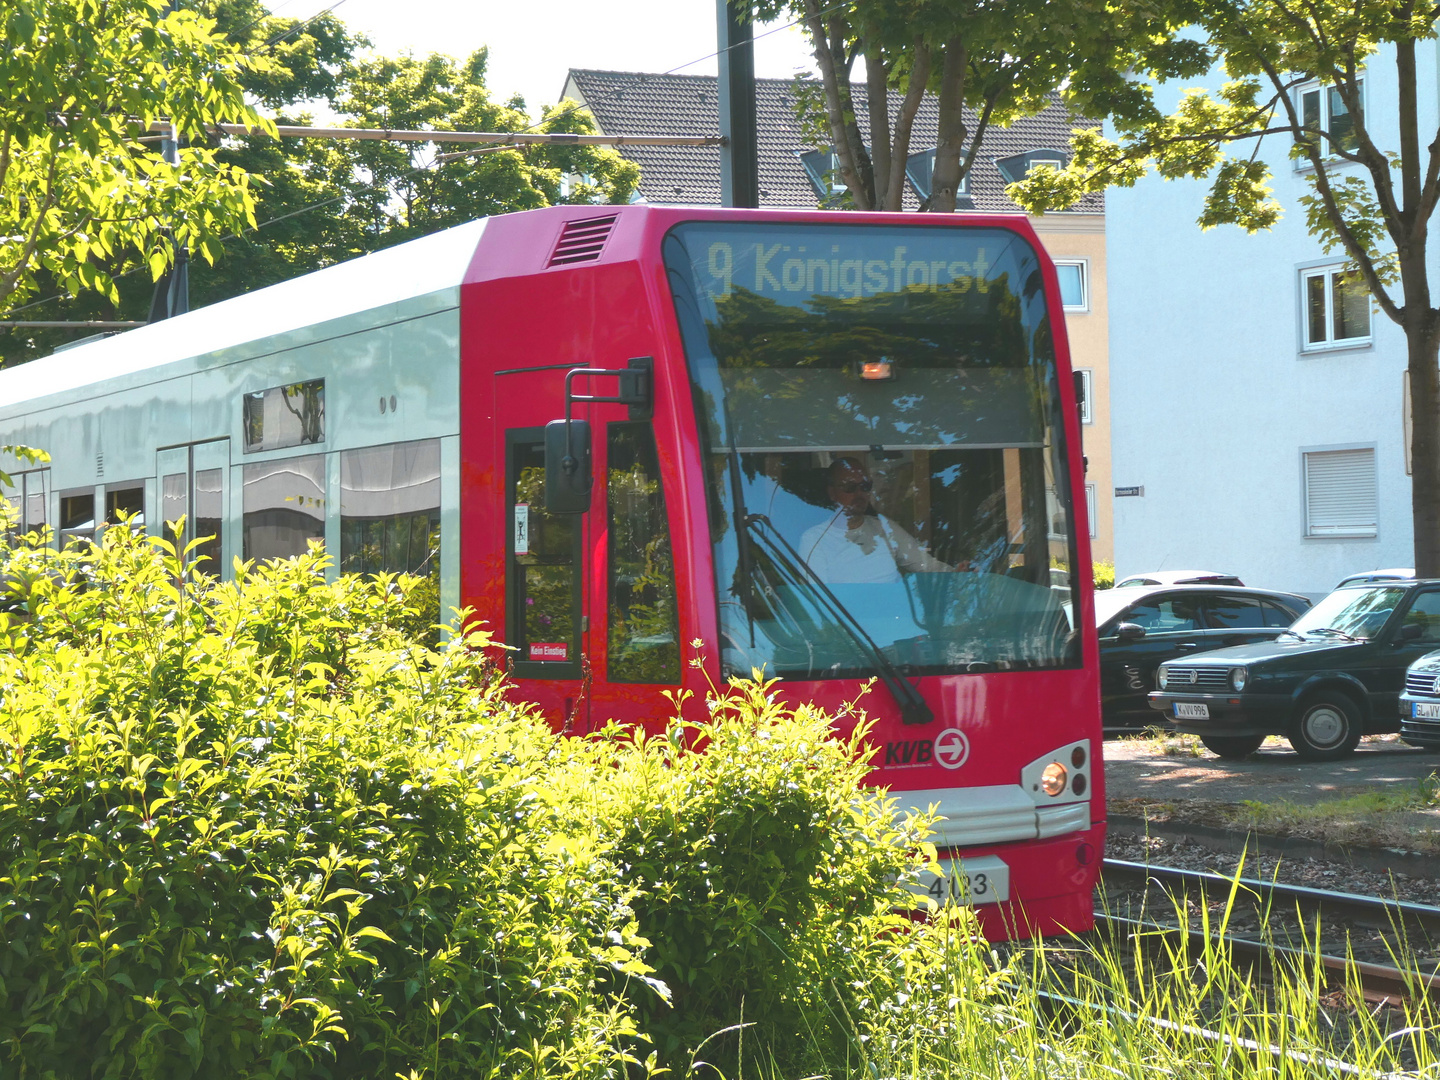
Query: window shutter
point(1340, 493)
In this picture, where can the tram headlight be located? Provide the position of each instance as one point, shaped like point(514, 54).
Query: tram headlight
point(1052, 780)
point(1163, 678)
point(1239, 677)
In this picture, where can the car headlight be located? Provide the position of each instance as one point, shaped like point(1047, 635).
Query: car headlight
point(1163, 678)
point(1239, 677)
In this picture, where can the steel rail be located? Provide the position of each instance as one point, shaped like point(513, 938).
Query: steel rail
point(1373, 912)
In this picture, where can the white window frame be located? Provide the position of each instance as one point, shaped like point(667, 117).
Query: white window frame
point(1315, 86)
point(1084, 267)
point(1329, 271)
point(1361, 460)
point(1087, 382)
point(1092, 508)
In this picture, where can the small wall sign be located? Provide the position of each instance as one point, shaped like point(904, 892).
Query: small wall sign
point(1122, 492)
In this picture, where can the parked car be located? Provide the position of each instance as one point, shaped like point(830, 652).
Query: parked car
point(1420, 703)
point(1366, 576)
point(1178, 577)
point(1140, 627)
point(1336, 674)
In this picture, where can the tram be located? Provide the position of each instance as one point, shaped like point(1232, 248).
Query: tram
point(654, 448)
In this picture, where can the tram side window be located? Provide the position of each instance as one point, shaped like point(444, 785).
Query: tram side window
point(174, 500)
point(390, 513)
point(284, 416)
point(644, 642)
point(284, 506)
point(125, 502)
point(543, 615)
point(77, 516)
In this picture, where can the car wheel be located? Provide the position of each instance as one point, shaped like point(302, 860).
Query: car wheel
point(1325, 727)
point(1232, 747)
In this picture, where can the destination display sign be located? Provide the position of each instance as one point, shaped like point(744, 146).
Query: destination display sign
point(850, 262)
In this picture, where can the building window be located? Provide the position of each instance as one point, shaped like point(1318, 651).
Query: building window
point(284, 506)
point(1017, 167)
point(1322, 109)
point(1340, 492)
point(1074, 284)
point(1087, 391)
point(28, 502)
point(823, 169)
point(920, 170)
point(1092, 509)
point(1337, 308)
point(283, 416)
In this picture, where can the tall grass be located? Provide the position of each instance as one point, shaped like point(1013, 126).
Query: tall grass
point(1156, 1005)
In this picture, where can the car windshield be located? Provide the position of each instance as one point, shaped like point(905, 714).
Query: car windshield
point(1357, 613)
point(879, 414)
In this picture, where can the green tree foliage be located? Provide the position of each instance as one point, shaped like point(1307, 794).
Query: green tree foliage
point(83, 82)
point(998, 61)
point(1374, 180)
point(327, 200)
point(254, 830)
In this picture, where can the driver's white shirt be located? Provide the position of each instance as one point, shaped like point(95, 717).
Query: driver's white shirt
point(873, 553)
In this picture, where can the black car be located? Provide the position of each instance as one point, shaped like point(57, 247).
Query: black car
point(1420, 703)
point(1140, 627)
point(1333, 676)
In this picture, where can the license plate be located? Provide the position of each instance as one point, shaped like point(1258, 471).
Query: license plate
point(1185, 710)
point(1427, 710)
point(984, 879)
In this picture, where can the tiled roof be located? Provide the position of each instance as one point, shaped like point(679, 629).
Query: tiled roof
point(638, 103)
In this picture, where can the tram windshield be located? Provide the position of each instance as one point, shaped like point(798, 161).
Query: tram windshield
point(879, 414)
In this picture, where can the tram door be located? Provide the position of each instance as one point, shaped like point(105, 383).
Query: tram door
point(193, 482)
point(545, 621)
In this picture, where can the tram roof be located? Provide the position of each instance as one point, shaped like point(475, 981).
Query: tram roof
point(287, 315)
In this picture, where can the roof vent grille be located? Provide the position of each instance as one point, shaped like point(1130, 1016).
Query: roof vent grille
point(582, 241)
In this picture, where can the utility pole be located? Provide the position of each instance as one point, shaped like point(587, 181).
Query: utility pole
point(739, 163)
point(172, 291)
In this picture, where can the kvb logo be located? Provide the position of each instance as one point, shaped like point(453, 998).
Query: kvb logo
point(950, 748)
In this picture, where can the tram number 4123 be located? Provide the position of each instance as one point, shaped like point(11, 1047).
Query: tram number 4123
point(982, 880)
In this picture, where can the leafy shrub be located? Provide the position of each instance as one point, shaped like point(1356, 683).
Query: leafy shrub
point(1104, 575)
point(769, 887)
point(251, 830)
point(259, 830)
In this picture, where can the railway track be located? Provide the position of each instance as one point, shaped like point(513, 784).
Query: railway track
point(1268, 922)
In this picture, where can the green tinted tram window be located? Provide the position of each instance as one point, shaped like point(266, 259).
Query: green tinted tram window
point(283, 416)
point(644, 644)
point(284, 506)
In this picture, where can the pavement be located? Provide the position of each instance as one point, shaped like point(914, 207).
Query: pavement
point(1137, 769)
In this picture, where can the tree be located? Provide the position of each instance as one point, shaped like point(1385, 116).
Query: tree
point(324, 201)
point(987, 63)
point(81, 180)
point(1370, 197)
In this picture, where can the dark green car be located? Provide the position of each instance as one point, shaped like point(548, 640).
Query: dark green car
point(1336, 674)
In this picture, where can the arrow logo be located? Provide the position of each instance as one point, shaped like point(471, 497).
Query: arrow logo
point(952, 748)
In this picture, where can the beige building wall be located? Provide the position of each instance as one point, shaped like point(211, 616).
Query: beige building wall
point(1081, 238)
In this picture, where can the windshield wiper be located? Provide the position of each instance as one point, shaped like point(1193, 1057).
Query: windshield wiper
point(1332, 630)
point(1292, 633)
point(913, 708)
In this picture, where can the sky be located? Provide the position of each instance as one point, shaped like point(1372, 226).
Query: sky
point(532, 45)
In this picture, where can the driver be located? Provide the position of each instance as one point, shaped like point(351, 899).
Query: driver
point(859, 544)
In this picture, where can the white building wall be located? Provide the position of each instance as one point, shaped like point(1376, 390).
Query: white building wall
point(1213, 398)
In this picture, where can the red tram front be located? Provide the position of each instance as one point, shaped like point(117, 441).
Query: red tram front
point(844, 448)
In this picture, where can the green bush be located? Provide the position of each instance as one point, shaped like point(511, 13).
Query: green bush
point(250, 830)
point(768, 886)
point(1104, 575)
point(258, 829)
